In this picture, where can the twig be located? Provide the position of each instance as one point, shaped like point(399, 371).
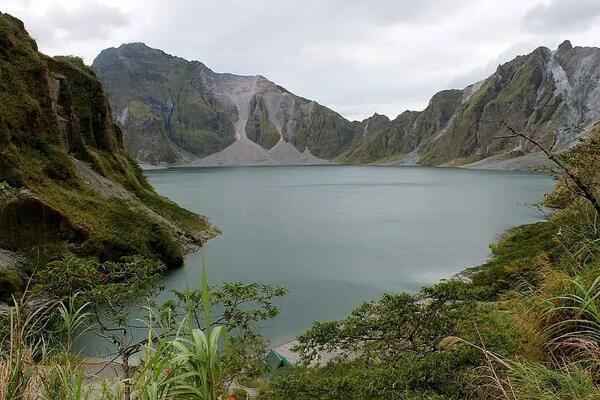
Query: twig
point(585, 190)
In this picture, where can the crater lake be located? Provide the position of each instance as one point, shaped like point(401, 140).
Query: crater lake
point(337, 236)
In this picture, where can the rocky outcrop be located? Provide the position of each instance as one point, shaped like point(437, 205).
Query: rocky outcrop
point(383, 138)
point(27, 220)
point(66, 181)
point(174, 111)
point(8, 259)
point(553, 96)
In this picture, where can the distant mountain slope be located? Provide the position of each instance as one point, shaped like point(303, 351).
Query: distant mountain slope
point(554, 96)
point(178, 111)
point(175, 111)
point(66, 182)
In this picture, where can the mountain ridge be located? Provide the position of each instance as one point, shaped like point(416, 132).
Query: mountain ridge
point(177, 111)
point(228, 119)
point(551, 95)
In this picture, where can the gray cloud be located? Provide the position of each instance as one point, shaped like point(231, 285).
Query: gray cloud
point(94, 21)
point(391, 12)
point(355, 56)
point(562, 15)
point(87, 21)
point(336, 52)
point(469, 77)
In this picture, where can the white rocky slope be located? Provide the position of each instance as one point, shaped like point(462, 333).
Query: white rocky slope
point(240, 91)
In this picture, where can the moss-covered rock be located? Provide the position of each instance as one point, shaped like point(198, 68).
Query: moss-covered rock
point(11, 283)
point(11, 280)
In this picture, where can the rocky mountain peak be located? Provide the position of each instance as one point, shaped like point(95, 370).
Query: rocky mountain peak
point(177, 111)
point(552, 95)
point(377, 116)
point(565, 46)
point(128, 51)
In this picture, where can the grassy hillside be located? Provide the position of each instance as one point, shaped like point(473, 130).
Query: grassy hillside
point(67, 184)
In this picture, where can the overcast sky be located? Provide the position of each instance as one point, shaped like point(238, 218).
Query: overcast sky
point(358, 57)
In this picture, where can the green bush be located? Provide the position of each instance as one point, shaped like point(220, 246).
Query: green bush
point(513, 262)
point(166, 247)
point(11, 284)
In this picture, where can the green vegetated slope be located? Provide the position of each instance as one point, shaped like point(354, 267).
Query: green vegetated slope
point(551, 95)
point(523, 326)
point(383, 138)
point(66, 182)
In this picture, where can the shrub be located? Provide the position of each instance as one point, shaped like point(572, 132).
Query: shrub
point(11, 284)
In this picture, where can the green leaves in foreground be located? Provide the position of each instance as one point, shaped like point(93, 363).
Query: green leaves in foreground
point(97, 282)
point(188, 366)
point(199, 360)
point(577, 331)
point(395, 324)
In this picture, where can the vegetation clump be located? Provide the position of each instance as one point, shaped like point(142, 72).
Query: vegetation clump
point(195, 346)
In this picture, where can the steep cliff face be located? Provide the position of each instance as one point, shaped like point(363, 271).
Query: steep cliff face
point(178, 111)
point(65, 178)
point(163, 105)
point(554, 96)
point(383, 139)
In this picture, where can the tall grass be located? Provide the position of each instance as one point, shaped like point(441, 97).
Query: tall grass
point(74, 321)
point(155, 378)
point(577, 332)
point(187, 367)
point(17, 378)
point(19, 375)
point(27, 371)
point(64, 381)
point(574, 340)
point(510, 380)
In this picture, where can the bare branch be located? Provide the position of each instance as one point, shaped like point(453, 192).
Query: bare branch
point(506, 137)
point(581, 186)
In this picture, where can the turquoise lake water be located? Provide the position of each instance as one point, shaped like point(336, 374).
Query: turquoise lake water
point(336, 236)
